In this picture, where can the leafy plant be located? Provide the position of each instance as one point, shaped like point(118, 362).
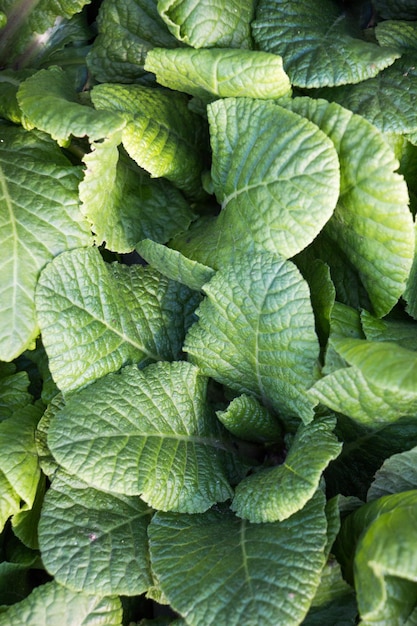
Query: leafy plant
point(208, 337)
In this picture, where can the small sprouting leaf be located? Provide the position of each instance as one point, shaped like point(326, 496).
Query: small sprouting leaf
point(247, 419)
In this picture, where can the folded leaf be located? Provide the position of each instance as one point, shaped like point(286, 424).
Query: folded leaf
point(275, 174)
point(247, 419)
point(161, 134)
point(149, 434)
point(205, 23)
point(124, 204)
point(400, 331)
point(127, 29)
point(272, 570)
point(96, 317)
point(220, 72)
point(256, 333)
point(95, 542)
point(373, 201)
point(319, 44)
point(50, 103)
point(53, 604)
point(398, 473)
point(278, 493)
point(39, 218)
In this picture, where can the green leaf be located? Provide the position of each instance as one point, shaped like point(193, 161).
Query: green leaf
point(247, 419)
point(14, 392)
point(151, 429)
point(278, 493)
point(275, 174)
point(205, 24)
point(127, 29)
point(410, 293)
point(220, 72)
point(372, 223)
point(39, 218)
point(256, 333)
point(25, 522)
point(396, 9)
point(124, 204)
point(161, 134)
point(401, 331)
point(272, 570)
point(100, 317)
point(15, 583)
point(174, 265)
point(10, 81)
point(398, 473)
point(95, 542)
point(51, 604)
point(319, 44)
point(46, 461)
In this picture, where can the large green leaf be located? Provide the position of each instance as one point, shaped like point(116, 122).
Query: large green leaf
point(124, 204)
point(150, 434)
point(39, 218)
point(219, 72)
point(97, 317)
point(398, 473)
point(256, 333)
point(272, 570)
point(320, 44)
point(93, 541)
point(278, 493)
point(396, 9)
point(14, 392)
point(208, 23)
point(275, 174)
point(127, 29)
point(53, 604)
point(401, 331)
point(161, 134)
point(373, 202)
point(50, 103)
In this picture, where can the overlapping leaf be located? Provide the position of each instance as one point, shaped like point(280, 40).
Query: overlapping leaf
point(146, 433)
point(247, 419)
point(272, 570)
point(96, 317)
point(39, 218)
point(14, 392)
point(398, 473)
point(256, 333)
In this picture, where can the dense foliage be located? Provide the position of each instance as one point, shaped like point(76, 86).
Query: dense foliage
point(208, 337)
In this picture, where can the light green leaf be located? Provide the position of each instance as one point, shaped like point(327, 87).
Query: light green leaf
point(401, 331)
point(95, 542)
point(247, 419)
point(272, 570)
point(372, 222)
point(53, 604)
point(320, 44)
point(256, 333)
point(398, 473)
point(383, 363)
point(124, 204)
point(161, 134)
point(208, 23)
point(220, 72)
point(96, 317)
point(46, 461)
point(10, 81)
point(39, 218)
point(50, 103)
point(14, 392)
point(25, 522)
point(29, 23)
point(278, 493)
point(151, 435)
point(127, 29)
point(174, 265)
point(275, 174)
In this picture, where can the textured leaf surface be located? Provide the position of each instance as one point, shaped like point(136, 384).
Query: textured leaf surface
point(127, 29)
point(97, 317)
point(319, 44)
point(124, 204)
point(372, 222)
point(146, 433)
point(173, 264)
point(247, 419)
point(397, 9)
point(161, 134)
point(219, 72)
point(398, 473)
point(14, 392)
point(49, 103)
point(53, 604)
point(95, 542)
point(209, 23)
point(39, 218)
point(275, 174)
point(272, 570)
point(277, 493)
point(401, 331)
point(256, 333)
